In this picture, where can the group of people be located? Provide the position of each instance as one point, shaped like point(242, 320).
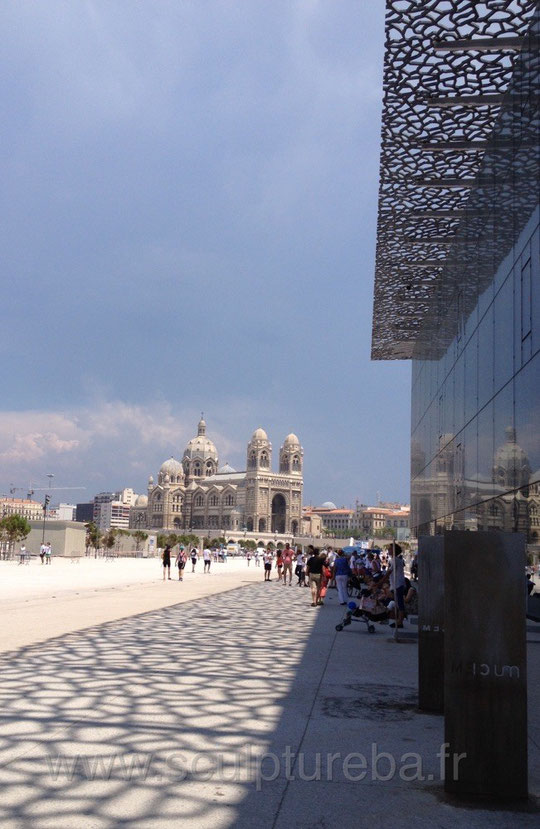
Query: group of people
point(315, 569)
point(181, 560)
point(383, 574)
point(389, 590)
point(45, 553)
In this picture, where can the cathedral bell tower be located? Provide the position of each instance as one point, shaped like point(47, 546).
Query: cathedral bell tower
point(259, 460)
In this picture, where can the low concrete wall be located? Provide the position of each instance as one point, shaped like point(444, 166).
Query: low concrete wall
point(67, 537)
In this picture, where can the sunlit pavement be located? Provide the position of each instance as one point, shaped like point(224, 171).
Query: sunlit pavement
point(220, 712)
point(39, 601)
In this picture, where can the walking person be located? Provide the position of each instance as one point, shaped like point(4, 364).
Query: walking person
point(194, 559)
point(267, 559)
point(300, 569)
point(314, 567)
point(287, 563)
point(207, 558)
point(42, 551)
point(48, 553)
point(181, 563)
point(166, 558)
point(279, 565)
point(341, 573)
point(23, 554)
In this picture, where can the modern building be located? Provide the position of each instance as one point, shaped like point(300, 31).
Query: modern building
point(114, 514)
point(457, 287)
point(197, 493)
point(112, 509)
point(84, 513)
point(100, 500)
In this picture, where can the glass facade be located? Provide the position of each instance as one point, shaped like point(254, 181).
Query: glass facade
point(475, 449)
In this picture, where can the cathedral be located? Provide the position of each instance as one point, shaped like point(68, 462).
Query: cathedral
point(198, 494)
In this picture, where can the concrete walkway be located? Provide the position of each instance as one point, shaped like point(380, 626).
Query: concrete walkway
point(217, 712)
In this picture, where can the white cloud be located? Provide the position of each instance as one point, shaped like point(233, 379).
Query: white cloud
point(105, 445)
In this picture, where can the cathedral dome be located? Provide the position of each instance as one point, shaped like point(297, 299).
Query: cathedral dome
point(226, 468)
point(172, 468)
point(142, 501)
point(259, 434)
point(200, 447)
point(511, 465)
point(291, 440)
point(329, 505)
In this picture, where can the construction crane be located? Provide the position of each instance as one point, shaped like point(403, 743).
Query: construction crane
point(31, 489)
point(51, 488)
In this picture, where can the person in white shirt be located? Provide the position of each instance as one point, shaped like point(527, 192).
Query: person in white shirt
point(267, 559)
point(207, 558)
point(42, 552)
point(300, 569)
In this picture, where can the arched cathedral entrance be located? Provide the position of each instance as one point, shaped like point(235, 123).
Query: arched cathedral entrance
point(279, 510)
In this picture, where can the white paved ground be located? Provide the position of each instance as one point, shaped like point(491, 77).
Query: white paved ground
point(41, 601)
point(163, 719)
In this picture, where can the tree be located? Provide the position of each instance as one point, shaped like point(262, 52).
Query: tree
point(249, 544)
point(120, 533)
point(93, 537)
point(14, 528)
point(139, 537)
point(385, 532)
point(188, 540)
point(108, 540)
point(166, 538)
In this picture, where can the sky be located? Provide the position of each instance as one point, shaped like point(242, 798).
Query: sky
point(189, 201)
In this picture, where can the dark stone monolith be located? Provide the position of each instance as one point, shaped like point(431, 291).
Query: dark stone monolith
point(431, 624)
point(485, 674)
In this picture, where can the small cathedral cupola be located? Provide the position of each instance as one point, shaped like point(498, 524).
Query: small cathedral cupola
point(200, 459)
point(259, 451)
point(291, 455)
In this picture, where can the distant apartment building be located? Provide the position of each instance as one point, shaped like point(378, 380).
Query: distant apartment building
point(114, 514)
point(63, 512)
point(112, 509)
point(362, 521)
point(31, 510)
point(370, 521)
point(100, 500)
point(333, 519)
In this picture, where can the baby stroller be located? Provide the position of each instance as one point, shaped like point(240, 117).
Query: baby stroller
point(354, 586)
point(369, 610)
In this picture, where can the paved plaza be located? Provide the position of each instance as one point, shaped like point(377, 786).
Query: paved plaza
point(239, 708)
point(43, 601)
